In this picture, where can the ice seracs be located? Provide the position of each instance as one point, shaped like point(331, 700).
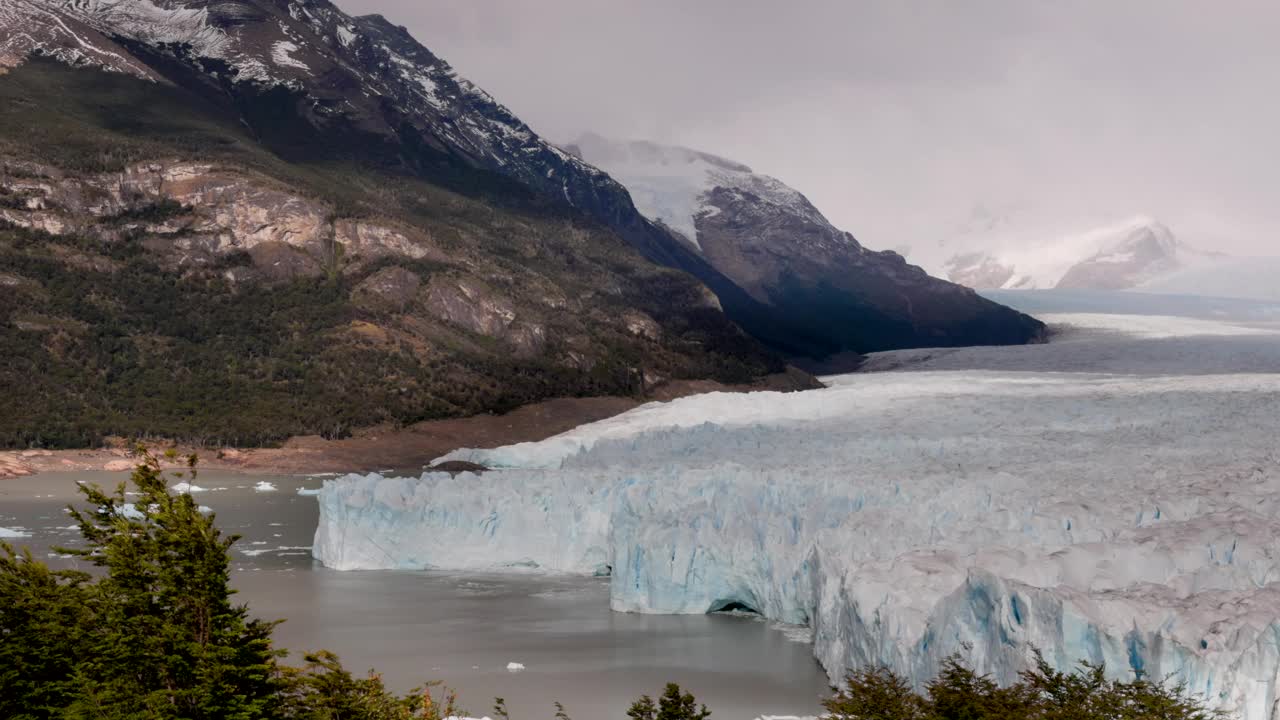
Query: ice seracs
point(1116, 517)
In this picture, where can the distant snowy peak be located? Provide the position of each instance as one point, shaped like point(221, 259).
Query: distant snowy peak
point(1145, 251)
point(1113, 257)
point(677, 186)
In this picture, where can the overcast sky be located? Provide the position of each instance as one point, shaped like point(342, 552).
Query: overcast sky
point(898, 117)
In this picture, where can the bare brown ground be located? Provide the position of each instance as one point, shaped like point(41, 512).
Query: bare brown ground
point(403, 449)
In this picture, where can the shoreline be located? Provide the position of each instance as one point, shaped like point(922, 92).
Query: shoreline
point(407, 449)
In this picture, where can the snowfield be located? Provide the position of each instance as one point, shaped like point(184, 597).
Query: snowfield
point(1014, 498)
point(671, 185)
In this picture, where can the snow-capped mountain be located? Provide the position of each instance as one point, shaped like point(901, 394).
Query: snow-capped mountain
point(350, 68)
point(674, 185)
point(996, 254)
point(771, 241)
point(315, 84)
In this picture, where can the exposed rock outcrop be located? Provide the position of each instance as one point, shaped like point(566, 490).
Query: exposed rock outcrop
point(391, 288)
point(196, 213)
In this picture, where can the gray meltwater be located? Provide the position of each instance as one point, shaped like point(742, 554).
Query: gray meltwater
point(461, 629)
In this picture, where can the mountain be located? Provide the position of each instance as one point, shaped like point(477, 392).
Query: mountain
point(773, 243)
point(239, 220)
point(312, 83)
point(204, 239)
point(995, 254)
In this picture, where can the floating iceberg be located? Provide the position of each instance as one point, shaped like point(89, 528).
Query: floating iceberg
point(13, 533)
point(1122, 519)
point(130, 511)
point(264, 486)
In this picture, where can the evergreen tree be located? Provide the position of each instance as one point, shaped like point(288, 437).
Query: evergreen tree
point(673, 705)
point(166, 639)
point(324, 690)
point(876, 694)
point(959, 693)
point(44, 617)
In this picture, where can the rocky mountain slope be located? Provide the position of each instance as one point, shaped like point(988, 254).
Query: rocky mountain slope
point(312, 223)
point(314, 84)
point(772, 242)
point(163, 273)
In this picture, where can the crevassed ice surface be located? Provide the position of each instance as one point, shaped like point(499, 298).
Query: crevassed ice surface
point(1118, 517)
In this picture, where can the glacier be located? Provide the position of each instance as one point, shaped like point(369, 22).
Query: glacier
point(1117, 517)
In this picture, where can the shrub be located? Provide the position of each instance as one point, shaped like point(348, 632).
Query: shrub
point(673, 705)
point(959, 693)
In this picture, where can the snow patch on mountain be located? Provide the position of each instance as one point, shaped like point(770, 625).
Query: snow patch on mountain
point(671, 185)
point(32, 27)
point(147, 22)
point(281, 53)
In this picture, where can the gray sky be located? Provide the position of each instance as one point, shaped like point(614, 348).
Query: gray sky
point(897, 117)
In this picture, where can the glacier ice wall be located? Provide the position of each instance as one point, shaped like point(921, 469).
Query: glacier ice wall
point(530, 520)
point(1128, 520)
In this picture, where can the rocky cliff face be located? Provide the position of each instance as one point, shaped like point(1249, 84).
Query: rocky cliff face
point(196, 214)
point(772, 242)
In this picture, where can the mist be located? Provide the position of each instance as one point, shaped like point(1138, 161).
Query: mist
point(901, 119)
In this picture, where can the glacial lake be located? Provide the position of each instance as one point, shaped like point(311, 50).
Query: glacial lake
point(463, 629)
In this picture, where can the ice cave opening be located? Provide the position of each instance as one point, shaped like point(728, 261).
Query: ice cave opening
point(731, 606)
